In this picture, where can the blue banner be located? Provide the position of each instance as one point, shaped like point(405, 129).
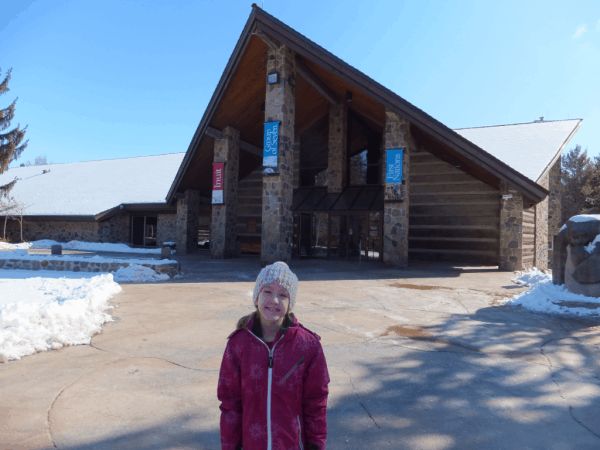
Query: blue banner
point(393, 169)
point(271, 143)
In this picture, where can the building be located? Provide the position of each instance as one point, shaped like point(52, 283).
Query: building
point(332, 194)
point(118, 200)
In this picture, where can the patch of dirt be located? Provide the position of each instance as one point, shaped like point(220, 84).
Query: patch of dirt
point(414, 286)
point(412, 332)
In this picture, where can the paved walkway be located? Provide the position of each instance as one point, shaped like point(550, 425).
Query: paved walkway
point(418, 359)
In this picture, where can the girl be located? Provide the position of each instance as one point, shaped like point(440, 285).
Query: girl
point(273, 380)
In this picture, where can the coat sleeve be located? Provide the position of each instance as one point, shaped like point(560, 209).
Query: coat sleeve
point(229, 393)
point(314, 401)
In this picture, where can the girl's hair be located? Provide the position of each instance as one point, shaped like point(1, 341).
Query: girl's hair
point(244, 320)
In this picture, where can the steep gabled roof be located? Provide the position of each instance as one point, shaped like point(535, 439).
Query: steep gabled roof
point(529, 148)
point(89, 188)
point(430, 131)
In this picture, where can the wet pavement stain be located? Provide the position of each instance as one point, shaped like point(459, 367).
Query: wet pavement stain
point(414, 286)
point(419, 334)
point(411, 332)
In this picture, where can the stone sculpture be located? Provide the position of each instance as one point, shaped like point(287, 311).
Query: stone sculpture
point(576, 259)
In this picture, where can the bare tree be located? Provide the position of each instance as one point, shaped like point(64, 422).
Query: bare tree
point(40, 161)
point(18, 213)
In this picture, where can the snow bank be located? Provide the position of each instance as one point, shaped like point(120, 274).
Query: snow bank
point(531, 277)
point(543, 296)
point(138, 273)
point(51, 312)
point(79, 245)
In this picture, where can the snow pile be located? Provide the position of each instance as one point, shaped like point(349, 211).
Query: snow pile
point(138, 273)
point(531, 277)
point(7, 246)
point(51, 312)
point(543, 296)
point(582, 218)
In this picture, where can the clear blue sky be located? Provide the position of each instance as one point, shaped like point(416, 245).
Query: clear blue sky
point(110, 79)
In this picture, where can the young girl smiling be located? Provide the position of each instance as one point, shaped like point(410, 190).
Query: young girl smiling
point(273, 380)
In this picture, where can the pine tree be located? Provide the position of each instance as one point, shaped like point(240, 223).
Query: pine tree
point(577, 168)
point(591, 189)
point(10, 142)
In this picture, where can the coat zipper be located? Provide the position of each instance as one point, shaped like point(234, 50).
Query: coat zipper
point(300, 436)
point(290, 372)
point(269, 444)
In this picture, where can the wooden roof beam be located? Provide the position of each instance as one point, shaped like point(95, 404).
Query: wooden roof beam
point(271, 43)
point(214, 133)
point(251, 148)
point(217, 134)
point(316, 83)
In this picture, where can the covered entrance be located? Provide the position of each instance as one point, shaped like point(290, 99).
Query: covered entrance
point(346, 225)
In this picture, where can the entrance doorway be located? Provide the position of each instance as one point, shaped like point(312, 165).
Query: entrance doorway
point(352, 236)
point(143, 230)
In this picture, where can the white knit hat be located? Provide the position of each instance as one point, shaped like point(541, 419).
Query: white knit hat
point(280, 273)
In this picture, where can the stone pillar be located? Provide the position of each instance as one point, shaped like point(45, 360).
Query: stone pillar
point(277, 226)
point(223, 237)
point(554, 203)
point(511, 229)
point(337, 166)
point(188, 210)
point(296, 162)
point(540, 256)
point(395, 213)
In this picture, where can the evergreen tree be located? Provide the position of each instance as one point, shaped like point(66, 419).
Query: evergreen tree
point(591, 189)
point(577, 168)
point(10, 142)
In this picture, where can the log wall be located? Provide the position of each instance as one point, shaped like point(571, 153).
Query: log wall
point(452, 215)
point(528, 238)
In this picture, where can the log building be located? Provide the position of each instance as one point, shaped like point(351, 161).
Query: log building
point(329, 197)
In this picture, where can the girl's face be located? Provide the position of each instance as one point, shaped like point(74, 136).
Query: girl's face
point(273, 302)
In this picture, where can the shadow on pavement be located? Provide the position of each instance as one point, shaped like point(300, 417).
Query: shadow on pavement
point(500, 378)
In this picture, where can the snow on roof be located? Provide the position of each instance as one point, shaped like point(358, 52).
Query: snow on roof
point(89, 188)
point(526, 147)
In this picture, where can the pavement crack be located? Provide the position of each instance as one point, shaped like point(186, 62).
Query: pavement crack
point(359, 402)
point(154, 357)
point(461, 304)
point(49, 429)
point(580, 423)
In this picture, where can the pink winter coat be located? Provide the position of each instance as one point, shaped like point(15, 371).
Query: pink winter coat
point(273, 396)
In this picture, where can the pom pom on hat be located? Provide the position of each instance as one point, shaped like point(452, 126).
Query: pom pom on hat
point(280, 273)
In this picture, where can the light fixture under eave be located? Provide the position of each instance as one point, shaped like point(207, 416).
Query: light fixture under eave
point(348, 96)
point(272, 78)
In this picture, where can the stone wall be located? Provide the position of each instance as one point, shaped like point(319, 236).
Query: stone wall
point(337, 170)
point(511, 229)
point(61, 231)
point(166, 228)
point(277, 192)
point(541, 228)
point(223, 236)
point(188, 213)
point(554, 203)
point(71, 265)
point(116, 229)
point(395, 213)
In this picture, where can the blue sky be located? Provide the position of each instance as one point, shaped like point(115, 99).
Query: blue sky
point(111, 79)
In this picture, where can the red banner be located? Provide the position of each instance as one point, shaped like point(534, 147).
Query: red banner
point(217, 190)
